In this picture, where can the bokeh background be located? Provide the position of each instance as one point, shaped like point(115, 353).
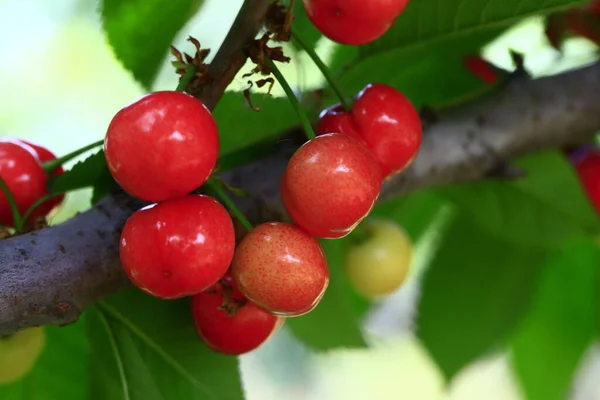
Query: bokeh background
point(60, 85)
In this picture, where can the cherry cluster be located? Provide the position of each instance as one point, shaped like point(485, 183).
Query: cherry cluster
point(21, 169)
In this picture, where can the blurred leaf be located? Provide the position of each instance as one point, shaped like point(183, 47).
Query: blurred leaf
point(542, 209)
point(66, 355)
point(91, 172)
point(548, 348)
point(141, 31)
point(415, 212)
point(240, 126)
point(474, 294)
point(334, 323)
point(161, 355)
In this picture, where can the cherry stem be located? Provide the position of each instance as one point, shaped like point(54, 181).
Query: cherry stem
point(216, 187)
point(38, 203)
point(186, 78)
point(344, 99)
point(14, 209)
point(310, 133)
point(52, 165)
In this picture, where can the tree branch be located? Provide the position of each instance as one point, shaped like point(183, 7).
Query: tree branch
point(44, 283)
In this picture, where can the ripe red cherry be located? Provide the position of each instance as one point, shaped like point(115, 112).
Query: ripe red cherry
point(385, 120)
point(230, 324)
point(46, 155)
point(481, 69)
point(587, 164)
point(178, 248)
point(353, 22)
point(162, 146)
point(21, 171)
point(330, 184)
point(281, 268)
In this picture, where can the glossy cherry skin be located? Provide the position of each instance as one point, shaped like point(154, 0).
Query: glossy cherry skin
point(330, 184)
point(386, 122)
point(353, 22)
point(587, 164)
point(238, 331)
point(21, 171)
point(162, 146)
point(281, 268)
point(178, 248)
point(46, 155)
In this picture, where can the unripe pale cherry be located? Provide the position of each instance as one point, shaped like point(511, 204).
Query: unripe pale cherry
point(162, 146)
point(330, 184)
point(385, 121)
point(281, 268)
point(22, 172)
point(230, 324)
point(353, 22)
point(179, 247)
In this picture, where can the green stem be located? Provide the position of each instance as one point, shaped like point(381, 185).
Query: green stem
point(344, 99)
point(14, 209)
point(186, 78)
point(37, 203)
point(52, 165)
point(222, 194)
point(310, 133)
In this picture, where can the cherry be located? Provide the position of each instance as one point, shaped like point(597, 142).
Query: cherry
point(281, 268)
point(353, 22)
point(178, 248)
point(21, 171)
point(587, 164)
point(162, 146)
point(330, 184)
point(230, 324)
point(46, 155)
point(379, 264)
point(386, 122)
point(481, 69)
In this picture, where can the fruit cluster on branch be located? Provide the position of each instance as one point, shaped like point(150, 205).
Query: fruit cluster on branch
point(82, 257)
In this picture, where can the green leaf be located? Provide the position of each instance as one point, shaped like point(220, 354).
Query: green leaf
point(141, 31)
point(334, 323)
point(160, 354)
point(542, 209)
point(240, 126)
point(548, 348)
point(66, 351)
point(91, 172)
point(474, 294)
point(425, 46)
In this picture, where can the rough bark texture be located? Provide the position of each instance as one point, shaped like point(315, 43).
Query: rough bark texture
point(51, 276)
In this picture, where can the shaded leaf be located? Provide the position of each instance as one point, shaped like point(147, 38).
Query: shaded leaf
point(548, 348)
point(161, 355)
point(474, 295)
point(542, 209)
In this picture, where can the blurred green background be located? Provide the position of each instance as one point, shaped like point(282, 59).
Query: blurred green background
point(60, 84)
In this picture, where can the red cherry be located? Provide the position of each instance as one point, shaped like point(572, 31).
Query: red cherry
point(162, 146)
point(230, 324)
point(178, 248)
point(21, 171)
point(281, 268)
point(588, 169)
point(330, 184)
point(353, 22)
point(481, 69)
point(386, 121)
point(46, 155)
